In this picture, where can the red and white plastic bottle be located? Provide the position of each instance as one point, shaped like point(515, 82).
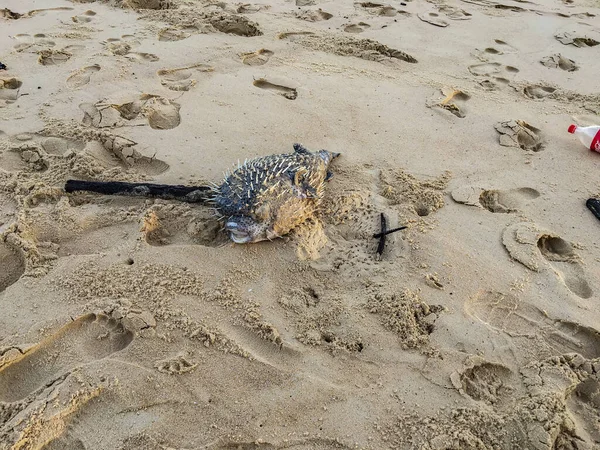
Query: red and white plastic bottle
point(589, 136)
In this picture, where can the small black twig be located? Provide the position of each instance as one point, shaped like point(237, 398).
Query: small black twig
point(381, 245)
point(393, 230)
point(383, 233)
point(593, 205)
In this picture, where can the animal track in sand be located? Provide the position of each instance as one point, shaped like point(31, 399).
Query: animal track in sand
point(539, 249)
point(496, 201)
point(82, 76)
point(161, 113)
point(518, 133)
point(257, 58)
point(559, 62)
point(180, 79)
point(9, 90)
point(577, 41)
point(287, 92)
point(86, 17)
point(13, 264)
point(433, 18)
point(81, 341)
point(507, 313)
point(35, 42)
point(538, 91)
point(356, 28)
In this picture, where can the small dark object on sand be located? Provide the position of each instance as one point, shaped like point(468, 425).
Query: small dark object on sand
point(383, 233)
point(593, 205)
point(3, 66)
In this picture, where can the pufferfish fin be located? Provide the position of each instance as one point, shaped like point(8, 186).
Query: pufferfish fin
point(300, 149)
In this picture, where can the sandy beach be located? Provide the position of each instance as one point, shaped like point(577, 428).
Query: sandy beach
point(130, 323)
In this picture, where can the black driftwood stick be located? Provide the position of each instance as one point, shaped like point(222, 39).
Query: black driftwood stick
point(190, 194)
point(593, 205)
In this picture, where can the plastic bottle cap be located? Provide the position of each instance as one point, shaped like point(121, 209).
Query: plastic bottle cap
point(572, 128)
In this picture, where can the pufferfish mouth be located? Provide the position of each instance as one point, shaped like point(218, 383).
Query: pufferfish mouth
point(238, 236)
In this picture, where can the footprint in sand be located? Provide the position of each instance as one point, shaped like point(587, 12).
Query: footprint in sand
point(313, 16)
point(577, 41)
point(378, 9)
point(160, 112)
point(287, 92)
point(539, 249)
point(51, 57)
point(454, 13)
point(257, 58)
point(175, 365)
point(8, 212)
point(492, 69)
point(559, 62)
point(84, 340)
point(82, 76)
point(501, 48)
point(538, 91)
point(483, 380)
point(35, 42)
point(174, 34)
point(13, 264)
point(498, 75)
point(86, 17)
point(9, 90)
point(122, 47)
point(508, 314)
point(433, 18)
point(180, 79)
point(518, 133)
point(181, 225)
point(496, 201)
point(294, 35)
point(356, 28)
point(454, 101)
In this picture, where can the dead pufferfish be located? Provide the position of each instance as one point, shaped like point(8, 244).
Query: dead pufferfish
point(265, 198)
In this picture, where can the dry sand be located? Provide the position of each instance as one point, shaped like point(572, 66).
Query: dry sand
point(133, 324)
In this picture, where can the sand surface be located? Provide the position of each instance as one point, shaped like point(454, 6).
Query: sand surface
point(128, 323)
